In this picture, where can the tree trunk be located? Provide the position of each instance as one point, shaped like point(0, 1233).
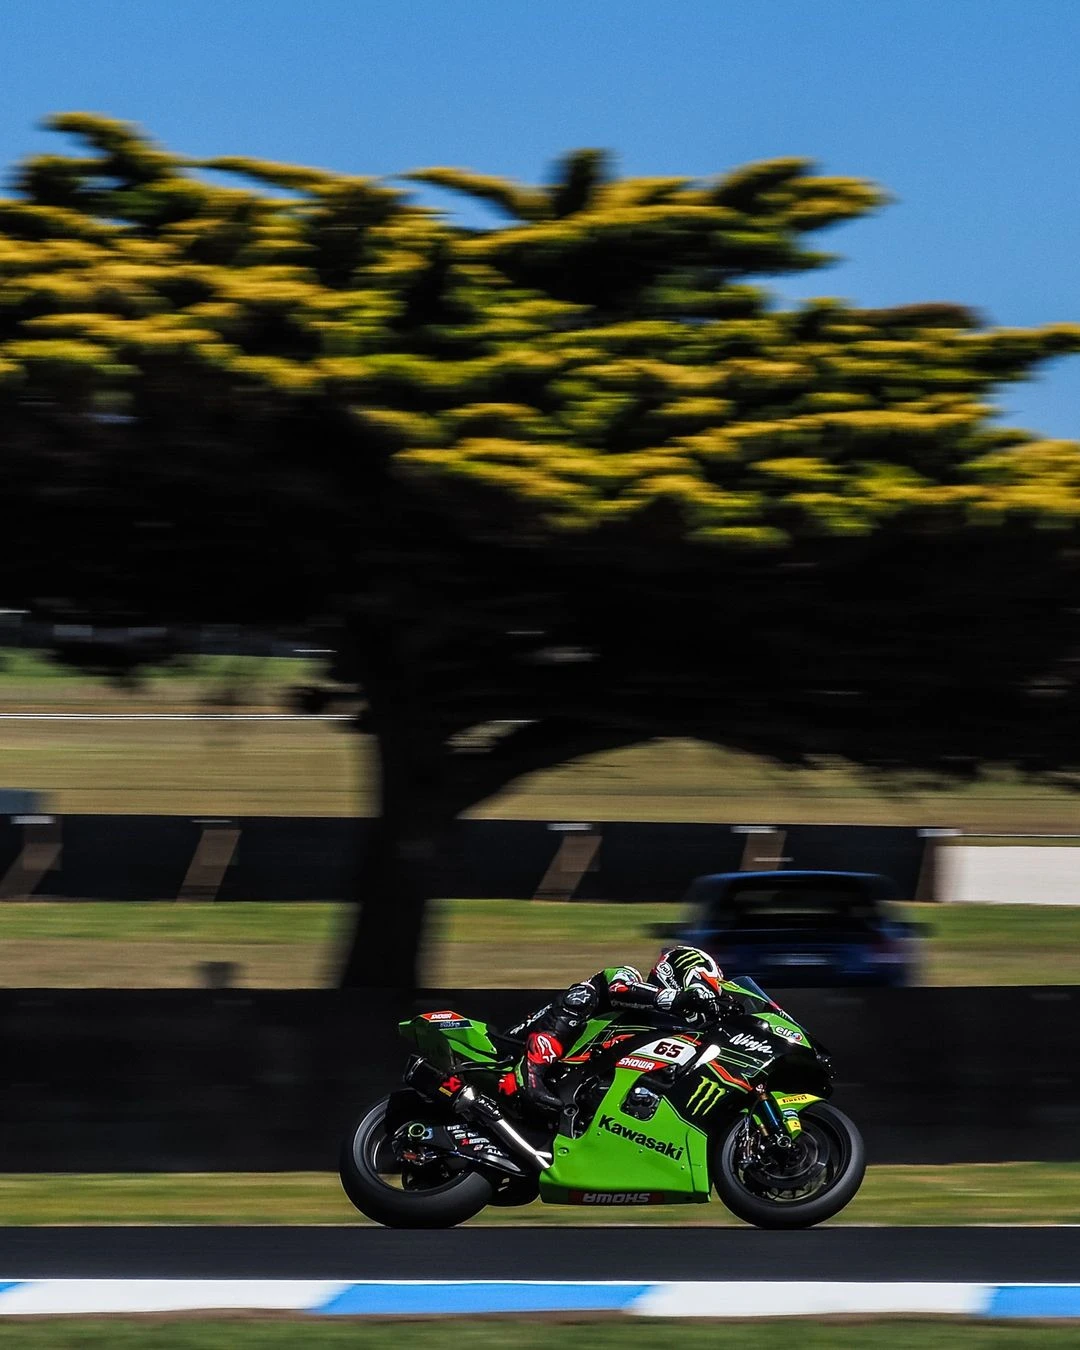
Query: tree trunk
point(400, 869)
point(423, 792)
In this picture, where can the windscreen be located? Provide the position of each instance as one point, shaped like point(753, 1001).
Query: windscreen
point(750, 986)
point(753, 998)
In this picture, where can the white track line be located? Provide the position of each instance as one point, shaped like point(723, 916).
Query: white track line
point(810, 1298)
point(37, 1297)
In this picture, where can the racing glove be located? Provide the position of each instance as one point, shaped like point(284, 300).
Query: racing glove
point(697, 1001)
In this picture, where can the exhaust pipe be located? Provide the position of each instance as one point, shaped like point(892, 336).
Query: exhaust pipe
point(469, 1102)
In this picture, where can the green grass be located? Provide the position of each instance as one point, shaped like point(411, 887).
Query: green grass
point(473, 943)
point(30, 678)
point(1020, 1193)
point(537, 1333)
point(94, 921)
point(53, 944)
point(1002, 944)
point(191, 768)
point(315, 768)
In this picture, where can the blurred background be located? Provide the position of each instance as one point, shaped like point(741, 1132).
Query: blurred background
point(418, 578)
point(204, 783)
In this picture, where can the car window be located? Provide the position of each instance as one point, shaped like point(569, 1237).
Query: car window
point(802, 908)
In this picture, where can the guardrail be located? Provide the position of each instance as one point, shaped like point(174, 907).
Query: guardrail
point(136, 857)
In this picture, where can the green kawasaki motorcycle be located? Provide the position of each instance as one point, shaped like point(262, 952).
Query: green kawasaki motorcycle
point(652, 1114)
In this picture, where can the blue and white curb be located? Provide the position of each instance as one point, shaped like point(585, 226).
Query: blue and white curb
point(26, 1298)
point(418, 1298)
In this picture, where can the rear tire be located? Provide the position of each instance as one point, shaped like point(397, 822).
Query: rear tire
point(515, 1191)
point(366, 1148)
point(835, 1139)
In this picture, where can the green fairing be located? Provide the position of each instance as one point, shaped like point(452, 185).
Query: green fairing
point(772, 1015)
point(597, 1029)
point(442, 1044)
point(788, 1104)
point(610, 1155)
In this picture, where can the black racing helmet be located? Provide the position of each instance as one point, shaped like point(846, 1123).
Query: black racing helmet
point(684, 967)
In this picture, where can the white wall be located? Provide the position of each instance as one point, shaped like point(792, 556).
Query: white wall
point(1045, 874)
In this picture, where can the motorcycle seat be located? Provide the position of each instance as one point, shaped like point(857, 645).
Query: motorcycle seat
point(506, 1045)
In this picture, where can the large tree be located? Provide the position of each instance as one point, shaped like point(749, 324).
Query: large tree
point(555, 486)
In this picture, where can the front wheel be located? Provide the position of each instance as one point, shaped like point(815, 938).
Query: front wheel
point(396, 1195)
point(795, 1187)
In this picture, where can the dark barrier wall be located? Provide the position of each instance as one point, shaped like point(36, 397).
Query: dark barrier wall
point(149, 857)
point(315, 858)
point(174, 1080)
point(893, 850)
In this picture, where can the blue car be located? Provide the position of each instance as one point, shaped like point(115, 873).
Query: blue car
point(801, 929)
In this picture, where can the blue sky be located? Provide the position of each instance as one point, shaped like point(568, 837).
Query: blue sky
point(968, 111)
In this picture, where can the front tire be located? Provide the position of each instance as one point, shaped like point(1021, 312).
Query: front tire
point(374, 1181)
point(770, 1197)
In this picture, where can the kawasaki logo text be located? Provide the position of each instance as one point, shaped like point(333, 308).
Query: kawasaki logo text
point(642, 1140)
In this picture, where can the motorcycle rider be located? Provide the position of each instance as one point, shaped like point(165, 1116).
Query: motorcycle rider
point(685, 982)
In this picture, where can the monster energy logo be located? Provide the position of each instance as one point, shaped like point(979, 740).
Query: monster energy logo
point(705, 1096)
point(686, 960)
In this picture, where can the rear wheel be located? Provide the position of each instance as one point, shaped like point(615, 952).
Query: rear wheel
point(512, 1191)
point(391, 1193)
point(796, 1187)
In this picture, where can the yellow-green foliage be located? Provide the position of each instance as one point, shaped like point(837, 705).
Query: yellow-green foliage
point(599, 353)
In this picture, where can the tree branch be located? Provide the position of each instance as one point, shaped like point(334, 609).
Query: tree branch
point(540, 745)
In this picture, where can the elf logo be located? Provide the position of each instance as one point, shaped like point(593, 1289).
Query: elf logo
point(642, 1140)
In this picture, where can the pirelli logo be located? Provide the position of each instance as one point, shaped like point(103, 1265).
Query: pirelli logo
point(704, 1097)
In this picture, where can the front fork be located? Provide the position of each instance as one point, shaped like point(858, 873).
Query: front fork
point(778, 1127)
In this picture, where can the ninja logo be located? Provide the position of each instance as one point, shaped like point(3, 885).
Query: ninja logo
point(642, 1140)
point(704, 1097)
point(745, 1042)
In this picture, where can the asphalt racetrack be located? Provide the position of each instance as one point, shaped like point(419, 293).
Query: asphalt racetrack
point(1001, 1255)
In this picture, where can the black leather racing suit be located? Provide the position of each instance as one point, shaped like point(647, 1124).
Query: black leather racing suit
point(551, 1031)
